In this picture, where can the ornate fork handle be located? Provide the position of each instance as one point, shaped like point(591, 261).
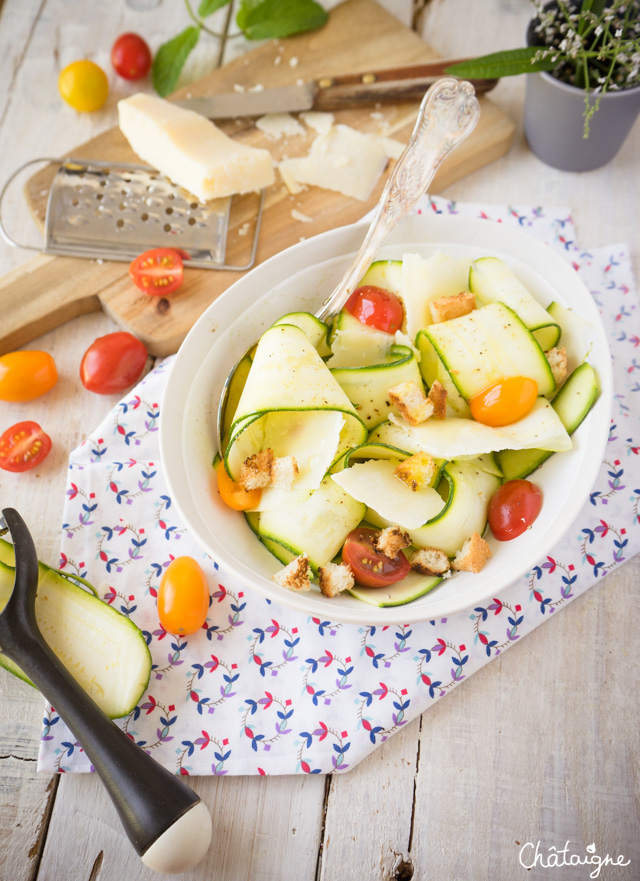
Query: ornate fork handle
point(448, 113)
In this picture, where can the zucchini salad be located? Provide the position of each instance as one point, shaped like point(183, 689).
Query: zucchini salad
point(376, 455)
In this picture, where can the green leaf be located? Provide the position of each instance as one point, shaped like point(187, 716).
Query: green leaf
point(208, 7)
point(269, 19)
point(509, 63)
point(170, 59)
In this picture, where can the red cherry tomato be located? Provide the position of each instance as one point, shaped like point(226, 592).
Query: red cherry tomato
point(370, 567)
point(513, 508)
point(26, 375)
point(23, 446)
point(504, 401)
point(113, 363)
point(376, 308)
point(159, 271)
point(131, 57)
point(183, 597)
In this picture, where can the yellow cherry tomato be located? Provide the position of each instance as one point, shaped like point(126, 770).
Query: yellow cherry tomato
point(26, 375)
point(83, 85)
point(234, 495)
point(183, 597)
point(505, 401)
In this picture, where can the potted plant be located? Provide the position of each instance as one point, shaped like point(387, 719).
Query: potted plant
point(583, 92)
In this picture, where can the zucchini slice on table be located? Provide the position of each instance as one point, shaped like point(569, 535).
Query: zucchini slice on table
point(492, 281)
point(101, 648)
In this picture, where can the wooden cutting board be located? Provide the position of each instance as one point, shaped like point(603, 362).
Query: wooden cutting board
point(46, 291)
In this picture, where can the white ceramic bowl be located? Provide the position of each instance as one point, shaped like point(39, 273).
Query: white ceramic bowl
point(300, 279)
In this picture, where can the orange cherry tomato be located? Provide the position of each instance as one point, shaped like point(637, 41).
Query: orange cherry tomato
point(234, 495)
point(183, 597)
point(83, 85)
point(504, 401)
point(26, 375)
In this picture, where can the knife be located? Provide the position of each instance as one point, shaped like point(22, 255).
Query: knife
point(329, 92)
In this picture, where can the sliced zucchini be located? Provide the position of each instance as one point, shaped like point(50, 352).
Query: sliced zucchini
point(317, 331)
point(483, 347)
point(465, 512)
point(410, 588)
point(572, 404)
point(236, 386)
point(386, 274)
point(318, 526)
point(467, 489)
point(432, 369)
point(354, 344)
point(293, 404)
point(368, 451)
point(368, 387)
point(101, 648)
point(576, 337)
point(492, 281)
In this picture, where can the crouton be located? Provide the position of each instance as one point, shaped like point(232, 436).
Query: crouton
point(557, 359)
point(430, 561)
point(334, 578)
point(438, 397)
point(264, 469)
point(473, 554)
point(411, 401)
point(446, 308)
point(256, 471)
point(296, 576)
point(417, 471)
point(391, 541)
point(284, 471)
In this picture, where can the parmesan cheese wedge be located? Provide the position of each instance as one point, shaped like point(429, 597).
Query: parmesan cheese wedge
point(343, 159)
point(374, 483)
point(190, 150)
point(455, 438)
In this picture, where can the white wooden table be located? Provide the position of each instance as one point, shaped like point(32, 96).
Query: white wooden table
point(541, 744)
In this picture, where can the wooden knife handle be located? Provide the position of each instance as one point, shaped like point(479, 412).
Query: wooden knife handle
point(392, 84)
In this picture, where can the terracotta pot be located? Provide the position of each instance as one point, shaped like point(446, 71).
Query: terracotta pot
point(554, 121)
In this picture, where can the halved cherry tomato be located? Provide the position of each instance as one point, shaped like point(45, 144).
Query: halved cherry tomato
point(513, 508)
point(376, 308)
point(26, 375)
point(112, 363)
point(23, 446)
point(131, 57)
point(370, 567)
point(234, 495)
point(158, 272)
point(83, 85)
point(504, 401)
point(183, 597)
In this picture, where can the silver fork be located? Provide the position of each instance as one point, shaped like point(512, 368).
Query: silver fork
point(448, 114)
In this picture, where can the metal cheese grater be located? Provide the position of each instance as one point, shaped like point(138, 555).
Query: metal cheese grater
point(115, 211)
